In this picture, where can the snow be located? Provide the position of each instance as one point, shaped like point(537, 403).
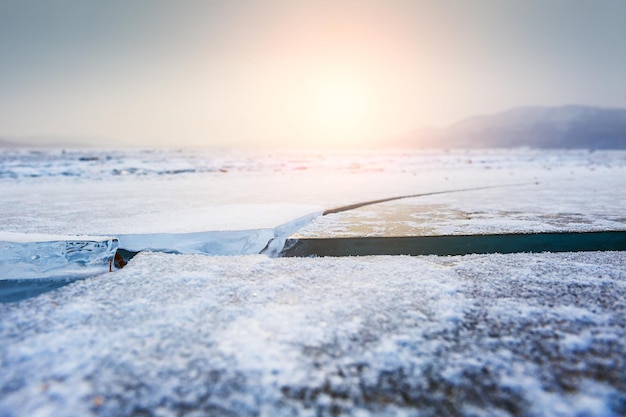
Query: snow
point(248, 334)
point(41, 237)
point(519, 334)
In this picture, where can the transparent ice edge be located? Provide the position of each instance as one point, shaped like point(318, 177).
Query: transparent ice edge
point(220, 243)
point(48, 259)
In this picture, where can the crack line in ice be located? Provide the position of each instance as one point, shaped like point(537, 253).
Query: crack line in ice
point(269, 241)
point(384, 200)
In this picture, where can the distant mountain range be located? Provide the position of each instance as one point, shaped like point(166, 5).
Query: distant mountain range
point(536, 127)
point(566, 127)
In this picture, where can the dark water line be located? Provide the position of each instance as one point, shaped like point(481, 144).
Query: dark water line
point(384, 200)
point(458, 245)
point(14, 290)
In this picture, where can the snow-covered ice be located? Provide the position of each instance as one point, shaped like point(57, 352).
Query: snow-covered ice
point(189, 334)
point(260, 191)
point(519, 334)
point(251, 191)
point(567, 205)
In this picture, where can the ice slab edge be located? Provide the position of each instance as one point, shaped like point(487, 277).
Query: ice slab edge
point(25, 257)
point(30, 256)
point(225, 243)
point(457, 244)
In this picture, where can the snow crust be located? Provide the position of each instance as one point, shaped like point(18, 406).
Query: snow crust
point(42, 237)
point(521, 334)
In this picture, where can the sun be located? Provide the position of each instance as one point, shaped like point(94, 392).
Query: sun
point(341, 110)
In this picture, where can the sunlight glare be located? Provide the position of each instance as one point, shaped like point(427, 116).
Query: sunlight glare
point(342, 110)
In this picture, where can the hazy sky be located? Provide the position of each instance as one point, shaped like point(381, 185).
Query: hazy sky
point(296, 73)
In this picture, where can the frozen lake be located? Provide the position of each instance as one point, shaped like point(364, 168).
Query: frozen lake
point(250, 334)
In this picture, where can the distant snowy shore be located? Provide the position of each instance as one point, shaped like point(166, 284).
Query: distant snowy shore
point(97, 164)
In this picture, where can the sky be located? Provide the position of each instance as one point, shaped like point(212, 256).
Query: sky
point(295, 73)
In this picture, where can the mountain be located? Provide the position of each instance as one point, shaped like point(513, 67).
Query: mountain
point(537, 127)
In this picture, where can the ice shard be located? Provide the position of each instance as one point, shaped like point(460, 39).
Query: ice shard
point(27, 256)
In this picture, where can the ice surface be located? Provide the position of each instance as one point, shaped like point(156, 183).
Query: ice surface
point(567, 205)
point(261, 190)
point(25, 256)
point(521, 334)
point(184, 335)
